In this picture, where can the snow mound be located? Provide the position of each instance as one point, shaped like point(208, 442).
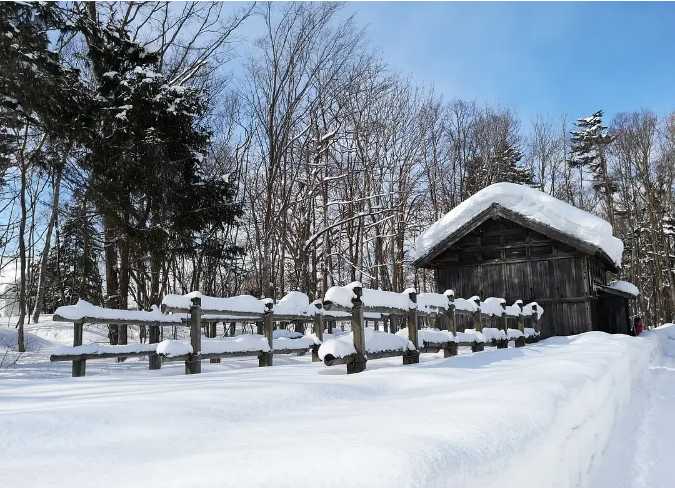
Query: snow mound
point(529, 309)
point(238, 304)
point(241, 343)
point(85, 310)
point(295, 303)
point(304, 342)
point(376, 341)
point(492, 306)
point(515, 334)
point(8, 340)
point(429, 335)
point(95, 348)
point(285, 333)
point(432, 302)
point(624, 286)
point(531, 204)
point(342, 295)
point(493, 334)
point(470, 335)
point(170, 347)
point(465, 305)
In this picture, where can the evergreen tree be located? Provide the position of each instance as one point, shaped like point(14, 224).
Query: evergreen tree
point(589, 142)
point(73, 271)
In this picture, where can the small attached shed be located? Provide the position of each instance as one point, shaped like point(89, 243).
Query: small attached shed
point(516, 242)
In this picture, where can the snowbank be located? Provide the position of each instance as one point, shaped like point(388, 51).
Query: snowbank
point(84, 310)
point(531, 204)
point(8, 340)
point(376, 341)
point(238, 304)
point(532, 417)
point(624, 286)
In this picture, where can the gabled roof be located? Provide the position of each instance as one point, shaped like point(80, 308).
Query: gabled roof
point(529, 208)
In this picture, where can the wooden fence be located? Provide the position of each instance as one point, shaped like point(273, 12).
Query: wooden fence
point(189, 312)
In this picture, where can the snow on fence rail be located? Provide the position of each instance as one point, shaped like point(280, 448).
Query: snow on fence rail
point(351, 301)
point(367, 344)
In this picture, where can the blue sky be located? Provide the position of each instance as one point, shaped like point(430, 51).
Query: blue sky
point(536, 58)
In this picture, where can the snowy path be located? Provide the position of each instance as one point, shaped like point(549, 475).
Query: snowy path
point(537, 416)
point(641, 452)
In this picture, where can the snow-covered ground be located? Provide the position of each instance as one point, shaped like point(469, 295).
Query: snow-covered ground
point(590, 410)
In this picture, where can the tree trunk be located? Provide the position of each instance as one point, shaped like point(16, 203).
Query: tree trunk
point(45, 251)
point(22, 257)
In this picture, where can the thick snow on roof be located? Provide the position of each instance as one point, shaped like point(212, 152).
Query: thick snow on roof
point(624, 286)
point(84, 310)
point(532, 204)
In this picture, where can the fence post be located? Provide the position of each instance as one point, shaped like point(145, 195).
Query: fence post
point(451, 348)
point(154, 361)
point(213, 332)
point(535, 321)
point(478, 326)
point(412, 357)
point(504, 343)
point(267, 358)
point(520, 341)
point(193, 365)
point(318, 330)
point(79, 365)
point(357, 362)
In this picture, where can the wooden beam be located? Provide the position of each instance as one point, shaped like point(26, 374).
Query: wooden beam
point(79, 365)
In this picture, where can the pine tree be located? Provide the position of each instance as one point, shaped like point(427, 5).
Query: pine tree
point(73, 271)
point(589, 144)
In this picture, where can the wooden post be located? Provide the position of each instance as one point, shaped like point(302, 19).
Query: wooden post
point(79, 365)
point(193, 365)
point(451, 348)
point(504, 343)
point(213, 332)
point(520, 341)
point(535, 321)
point(478, 326)
point(357, 363)
point(318, 330)
point(267, 358)
point(412, 357)
point(154, 361)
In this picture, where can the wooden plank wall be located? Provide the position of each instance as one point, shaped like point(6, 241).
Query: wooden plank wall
point(503, 259)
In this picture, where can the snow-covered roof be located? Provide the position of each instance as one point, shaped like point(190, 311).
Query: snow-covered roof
point(624, 286)
point(530, 204)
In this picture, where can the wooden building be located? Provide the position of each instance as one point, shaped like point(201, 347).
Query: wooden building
point(507, 252)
